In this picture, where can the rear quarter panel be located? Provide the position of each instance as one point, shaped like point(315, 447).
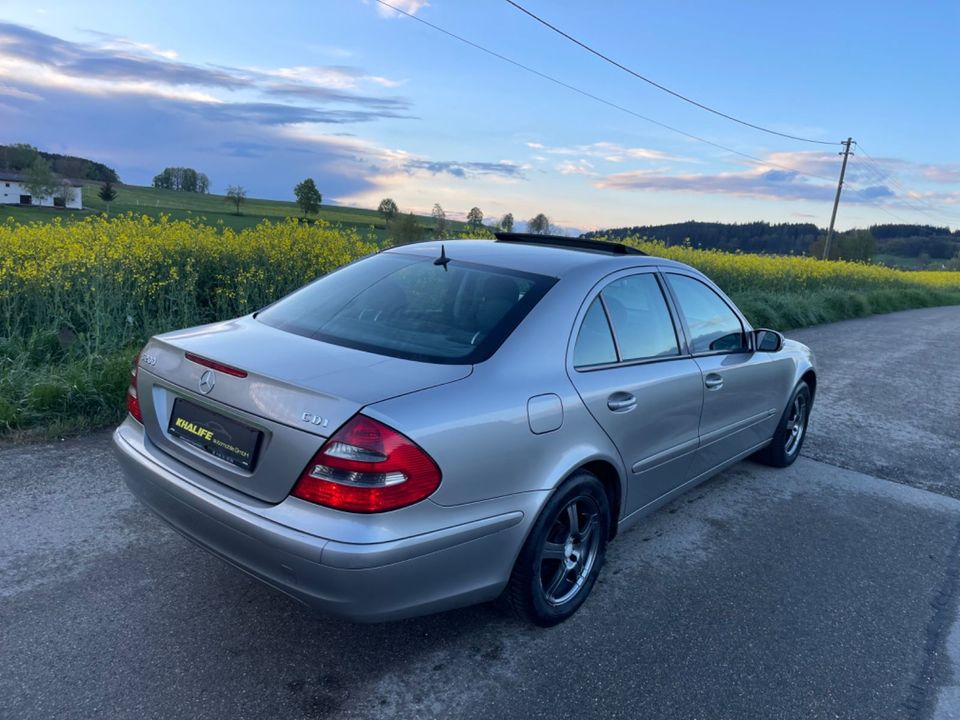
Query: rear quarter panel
point(477, 429)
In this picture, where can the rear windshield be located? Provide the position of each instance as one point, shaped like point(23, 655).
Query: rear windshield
point(406, 306)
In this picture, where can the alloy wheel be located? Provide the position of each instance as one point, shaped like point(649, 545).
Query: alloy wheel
point(570, 551)
point(796, 424)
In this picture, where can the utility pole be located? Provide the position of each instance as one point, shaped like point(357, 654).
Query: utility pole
point(836, 201)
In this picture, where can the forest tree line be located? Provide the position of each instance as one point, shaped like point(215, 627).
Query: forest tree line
point(19, 157)
point(800, 238)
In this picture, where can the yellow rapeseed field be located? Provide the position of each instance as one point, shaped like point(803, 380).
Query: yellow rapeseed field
point(738, 272)
point(78, 299)
point(112, 282)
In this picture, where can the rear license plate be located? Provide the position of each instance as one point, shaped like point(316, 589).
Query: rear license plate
point(221, 437)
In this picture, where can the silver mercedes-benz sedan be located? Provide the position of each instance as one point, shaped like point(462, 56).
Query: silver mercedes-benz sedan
point(439, 425)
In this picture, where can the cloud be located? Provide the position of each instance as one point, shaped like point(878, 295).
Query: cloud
point(139, 109)
point(608, 151)
point(341, 77)
point(754, 183)
point(116, 42)
point(245, 148)
point(465, 169)
point(18, 93)
point(22, 44)
point(942, 173)
point(32, 63)
point(408, 6)
point(328, 95)
point(242, 147)
point(583, 167)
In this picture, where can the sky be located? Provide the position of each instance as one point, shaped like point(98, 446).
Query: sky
point(373, 104)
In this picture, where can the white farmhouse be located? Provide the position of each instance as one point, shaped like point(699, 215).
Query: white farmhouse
point(13, 192)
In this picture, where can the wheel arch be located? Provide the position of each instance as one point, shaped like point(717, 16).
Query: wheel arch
point(608, 475)
point(810, 378)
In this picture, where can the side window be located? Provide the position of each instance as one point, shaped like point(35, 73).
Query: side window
point(714, 327)
point(594, 341)
point(640, 318)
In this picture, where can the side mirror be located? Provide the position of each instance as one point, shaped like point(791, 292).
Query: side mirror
point(765, 340)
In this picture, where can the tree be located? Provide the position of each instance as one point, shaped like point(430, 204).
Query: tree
point(40, 180)
point(63, 192)
point(850, 245)
point(108, 194)
point(475, 217)
point(540, 225)
point(183, 179)
point(188, 180)
point(403, 229)
point(857, 245)
point(19, 156)
point(953, 264)
point(163, 180)
point(439, 221)
point(506, 223)
point(236, 195)
point(388, 208)
point(308, 197)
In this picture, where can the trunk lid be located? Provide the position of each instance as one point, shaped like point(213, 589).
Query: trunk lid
point(296, 392)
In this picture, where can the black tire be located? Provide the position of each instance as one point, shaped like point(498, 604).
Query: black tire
point(559, 563)
point(792, 430)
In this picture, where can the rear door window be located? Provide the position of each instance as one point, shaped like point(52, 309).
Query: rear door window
point(406, 306)
point(713, 326)
point(640, 318)
point(594, 341)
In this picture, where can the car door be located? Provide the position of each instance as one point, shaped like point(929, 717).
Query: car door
point(630, 368)
point(739, 407)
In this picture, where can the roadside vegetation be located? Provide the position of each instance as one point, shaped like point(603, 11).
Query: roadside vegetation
point(785, 293)
point(78, 299)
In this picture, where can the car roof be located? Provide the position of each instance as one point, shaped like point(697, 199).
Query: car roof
point(528, 257)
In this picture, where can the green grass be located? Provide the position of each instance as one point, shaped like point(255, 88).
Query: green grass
point(788, 311)
point(912, 263)
point(213, 209)
point(45, 393)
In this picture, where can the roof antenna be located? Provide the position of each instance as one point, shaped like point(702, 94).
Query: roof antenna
point(443, 259)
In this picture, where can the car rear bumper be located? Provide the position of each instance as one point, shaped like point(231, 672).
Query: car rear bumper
point(451, 566)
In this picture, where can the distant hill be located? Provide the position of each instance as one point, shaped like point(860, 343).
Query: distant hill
point(19, 157)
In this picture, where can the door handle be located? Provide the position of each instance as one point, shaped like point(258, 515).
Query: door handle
point(621, 402)
point(713, 381)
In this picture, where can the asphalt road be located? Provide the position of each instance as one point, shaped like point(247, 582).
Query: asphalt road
point(828, 590)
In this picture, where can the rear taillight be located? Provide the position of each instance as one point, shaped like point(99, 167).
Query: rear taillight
point(133, 400)
point(368, 467)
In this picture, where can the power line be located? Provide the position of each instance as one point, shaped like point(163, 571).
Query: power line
point(657, 85)
point(865, 199)
point(879, 176)
point(886, 176)
point(872, 202)
point(597, 98)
